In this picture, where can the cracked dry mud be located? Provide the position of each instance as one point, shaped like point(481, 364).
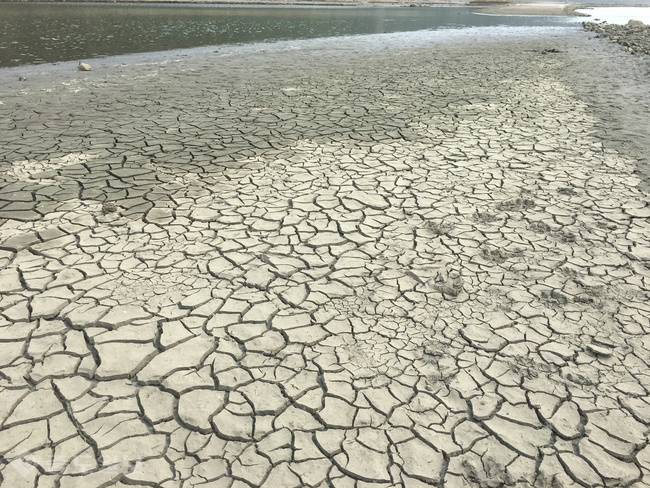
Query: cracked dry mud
point(404, 268)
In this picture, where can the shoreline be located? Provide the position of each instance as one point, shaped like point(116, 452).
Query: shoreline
point(407, 259)
point(497, 7)
point(372, 43)
point(221, 26)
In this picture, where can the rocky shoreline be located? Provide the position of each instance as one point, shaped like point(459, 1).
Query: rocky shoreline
point(634, 36)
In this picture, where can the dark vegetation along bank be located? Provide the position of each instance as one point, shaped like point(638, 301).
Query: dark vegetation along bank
point(634, 36)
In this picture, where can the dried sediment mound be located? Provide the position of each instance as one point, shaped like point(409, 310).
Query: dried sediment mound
point(635, 36)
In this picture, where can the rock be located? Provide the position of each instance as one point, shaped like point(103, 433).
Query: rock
point(451, 286)
point(109, 207)
point(635, 39)
point(84, 67)
point(456, 281)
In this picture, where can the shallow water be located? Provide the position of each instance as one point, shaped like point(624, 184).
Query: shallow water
point(617, 15)
point(41, 33)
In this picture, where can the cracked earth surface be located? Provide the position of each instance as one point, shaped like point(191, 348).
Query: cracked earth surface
point(411, 268)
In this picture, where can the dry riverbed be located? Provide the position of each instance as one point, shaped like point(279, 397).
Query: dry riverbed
point(327, 263)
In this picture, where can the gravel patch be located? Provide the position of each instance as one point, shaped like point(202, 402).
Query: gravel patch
point(634, 37)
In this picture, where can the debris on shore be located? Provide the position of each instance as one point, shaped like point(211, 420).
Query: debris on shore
point(634, 36)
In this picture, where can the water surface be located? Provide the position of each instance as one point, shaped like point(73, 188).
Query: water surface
point(40, 33)
point(616, 15)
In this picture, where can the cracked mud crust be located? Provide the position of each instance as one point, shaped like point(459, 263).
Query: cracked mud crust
point(323, 267)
